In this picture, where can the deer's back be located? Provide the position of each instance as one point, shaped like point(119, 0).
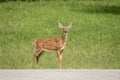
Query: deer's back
point(49, 44)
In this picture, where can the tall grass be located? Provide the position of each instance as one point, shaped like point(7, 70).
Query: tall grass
point(93, 42)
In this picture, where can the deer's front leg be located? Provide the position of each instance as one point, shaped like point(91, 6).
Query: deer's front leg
point(59, 56)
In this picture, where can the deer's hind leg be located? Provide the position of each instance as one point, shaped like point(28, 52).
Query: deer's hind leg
point(36, 56)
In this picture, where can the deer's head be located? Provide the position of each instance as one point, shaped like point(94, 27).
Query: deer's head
point(65, 28)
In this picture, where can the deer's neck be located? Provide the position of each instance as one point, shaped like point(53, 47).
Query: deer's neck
point(64, 38)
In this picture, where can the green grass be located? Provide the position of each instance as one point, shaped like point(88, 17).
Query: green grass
point(93, 42)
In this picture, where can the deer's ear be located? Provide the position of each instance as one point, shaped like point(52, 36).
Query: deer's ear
point(70, 25)
point(60, 25)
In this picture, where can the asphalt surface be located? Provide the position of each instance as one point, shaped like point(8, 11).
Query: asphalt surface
point(64, 74)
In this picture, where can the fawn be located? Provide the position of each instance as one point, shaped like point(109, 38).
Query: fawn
point(56, 44)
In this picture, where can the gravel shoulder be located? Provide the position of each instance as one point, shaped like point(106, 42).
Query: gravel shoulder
point(63, 74)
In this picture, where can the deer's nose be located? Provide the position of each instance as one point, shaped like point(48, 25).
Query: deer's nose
point(65, 31)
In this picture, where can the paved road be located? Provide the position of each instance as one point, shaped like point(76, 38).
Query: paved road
point(80, 74)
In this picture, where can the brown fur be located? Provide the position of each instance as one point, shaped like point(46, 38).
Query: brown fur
point(56, 44)
point(49, 44)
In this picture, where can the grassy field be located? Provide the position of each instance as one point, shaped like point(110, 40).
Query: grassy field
point(93, 42)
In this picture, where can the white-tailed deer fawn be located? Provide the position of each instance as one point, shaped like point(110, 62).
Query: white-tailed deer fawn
point(56, 44)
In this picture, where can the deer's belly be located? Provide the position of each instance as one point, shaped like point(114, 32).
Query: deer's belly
point(53, 48)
